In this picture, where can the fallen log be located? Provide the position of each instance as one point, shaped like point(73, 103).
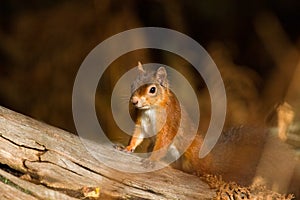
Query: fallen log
point(39, 161)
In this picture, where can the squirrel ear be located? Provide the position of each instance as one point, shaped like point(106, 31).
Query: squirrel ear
point(161, 76)
point(140, 67)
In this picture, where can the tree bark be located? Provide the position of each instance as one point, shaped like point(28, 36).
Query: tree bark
point(39, 161)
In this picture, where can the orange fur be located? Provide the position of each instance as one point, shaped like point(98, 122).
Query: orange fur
point(237, 154)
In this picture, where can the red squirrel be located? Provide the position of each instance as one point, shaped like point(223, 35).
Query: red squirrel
point(237, 156)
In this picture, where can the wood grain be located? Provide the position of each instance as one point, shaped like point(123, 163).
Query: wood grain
point(51, 163)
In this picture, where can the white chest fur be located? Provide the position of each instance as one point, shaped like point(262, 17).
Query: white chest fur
point(148, 123)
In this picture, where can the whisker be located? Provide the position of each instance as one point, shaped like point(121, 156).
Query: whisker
point(125, 98)
point(124, 101)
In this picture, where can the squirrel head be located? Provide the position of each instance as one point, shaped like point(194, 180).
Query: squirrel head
point(150, 88)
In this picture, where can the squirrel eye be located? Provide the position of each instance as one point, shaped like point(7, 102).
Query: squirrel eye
point(152, 90)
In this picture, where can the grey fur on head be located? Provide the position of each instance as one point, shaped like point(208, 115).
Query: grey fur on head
point(149, 77)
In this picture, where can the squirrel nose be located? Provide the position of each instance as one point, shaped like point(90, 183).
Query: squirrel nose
point(134, 100)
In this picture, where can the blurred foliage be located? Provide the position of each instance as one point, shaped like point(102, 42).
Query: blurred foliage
point(255, 44)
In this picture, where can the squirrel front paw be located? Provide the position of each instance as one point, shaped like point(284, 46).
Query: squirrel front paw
point(120, 147)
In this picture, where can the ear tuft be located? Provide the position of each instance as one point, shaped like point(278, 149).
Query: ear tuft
point(161, 76)
point(140, 67)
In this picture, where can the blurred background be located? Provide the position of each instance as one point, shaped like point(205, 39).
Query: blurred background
point(255, 45)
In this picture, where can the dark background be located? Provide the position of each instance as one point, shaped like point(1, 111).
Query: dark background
point(42, 44)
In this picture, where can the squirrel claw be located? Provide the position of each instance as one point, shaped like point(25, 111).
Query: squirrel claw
point(122, 148)
point(119, 147)
point(128, 149)
point(148, 163)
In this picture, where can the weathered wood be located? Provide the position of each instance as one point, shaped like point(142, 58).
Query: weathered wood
point(8, 192)
point(30, 190)
point(51, 163)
